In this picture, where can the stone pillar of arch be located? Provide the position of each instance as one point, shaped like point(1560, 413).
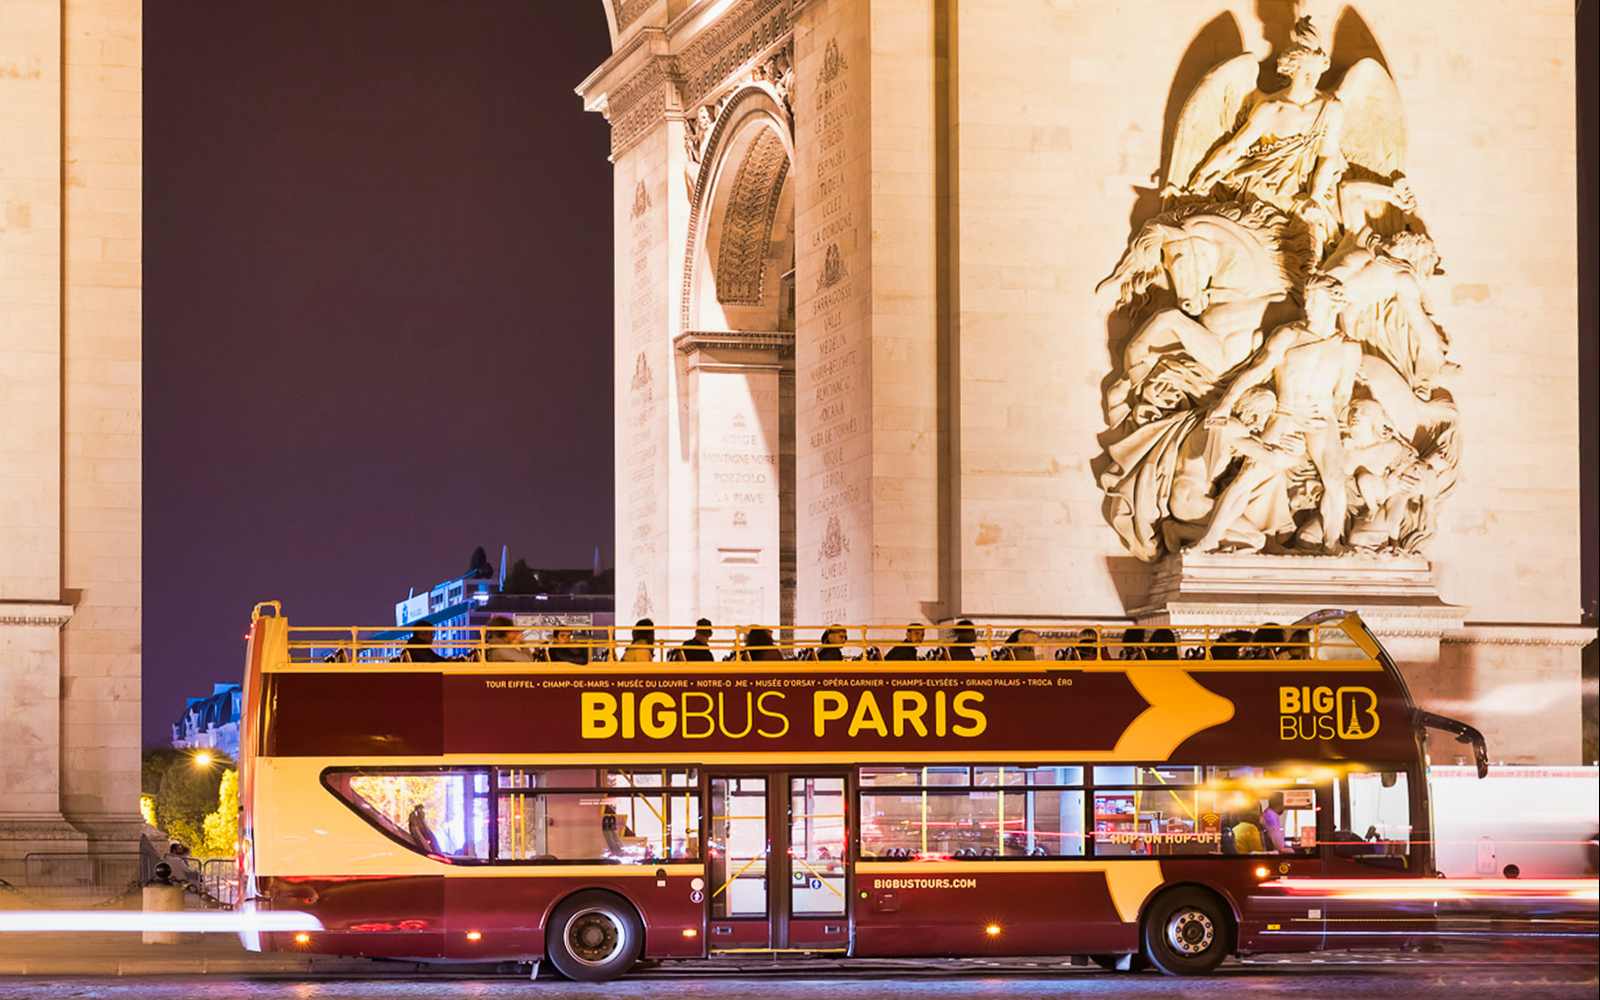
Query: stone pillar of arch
point(776, 318)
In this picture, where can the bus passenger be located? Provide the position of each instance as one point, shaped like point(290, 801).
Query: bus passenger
point(642, 648)
point(1272, 825)
point(1267, 638)
point(419, 648)
point(421, 832)
point(505, 642)
point(1019, 645)
point(832, 647)
point(759, 646)
point(1246, 832)
point(1088, 647)
point(564, 650)
point(908, 648)
point(962, 638)
point(1163, 645)
point(697, 648)
point(1229, 645)
point(1298, 647)
point(1133, 644)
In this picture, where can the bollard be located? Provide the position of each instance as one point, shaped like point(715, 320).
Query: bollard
point(163, 898)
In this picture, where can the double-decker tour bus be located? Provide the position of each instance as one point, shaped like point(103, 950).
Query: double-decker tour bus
point(1164, 804)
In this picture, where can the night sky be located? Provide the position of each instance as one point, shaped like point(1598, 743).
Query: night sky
point(378, 310)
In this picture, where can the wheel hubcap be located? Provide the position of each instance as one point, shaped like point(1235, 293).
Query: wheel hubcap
point(595, 937)
point(1190, 932)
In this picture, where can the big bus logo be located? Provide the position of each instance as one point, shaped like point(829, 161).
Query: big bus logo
point(1325, 713)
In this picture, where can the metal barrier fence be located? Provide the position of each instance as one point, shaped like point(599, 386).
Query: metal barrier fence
point(81, 874)
point(219, 881)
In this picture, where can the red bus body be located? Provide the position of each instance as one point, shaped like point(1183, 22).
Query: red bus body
point(869, 736)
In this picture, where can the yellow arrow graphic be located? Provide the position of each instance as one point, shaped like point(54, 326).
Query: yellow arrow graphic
point(1179, 708)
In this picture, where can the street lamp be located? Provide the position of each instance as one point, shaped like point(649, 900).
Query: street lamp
point(202, 759)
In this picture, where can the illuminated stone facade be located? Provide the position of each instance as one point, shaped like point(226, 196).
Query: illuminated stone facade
point(70, 454)
point(864, 373)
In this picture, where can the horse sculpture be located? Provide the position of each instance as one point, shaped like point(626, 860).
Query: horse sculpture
point(1232, 272)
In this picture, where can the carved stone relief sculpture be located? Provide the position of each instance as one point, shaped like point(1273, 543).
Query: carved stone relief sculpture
point(775, 72)
point(1278, 381)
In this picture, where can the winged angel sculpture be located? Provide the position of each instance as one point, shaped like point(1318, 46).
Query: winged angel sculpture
point(1279, 385)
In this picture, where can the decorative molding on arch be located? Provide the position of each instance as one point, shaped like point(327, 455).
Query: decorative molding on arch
point(747, 224)
point(34, 613)
point(629, 11)
point(747, 32)
point(736, 111)
point(640, 103)
point(735, 340)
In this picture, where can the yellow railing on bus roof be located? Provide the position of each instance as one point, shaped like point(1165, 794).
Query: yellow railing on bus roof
point(581, 644)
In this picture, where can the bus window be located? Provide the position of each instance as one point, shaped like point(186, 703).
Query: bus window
point(817, 839)
point(434, 812)
point(636, 817)
point(1372, 818)
point(1201, 810)
point(738, 833)
point(994, 816)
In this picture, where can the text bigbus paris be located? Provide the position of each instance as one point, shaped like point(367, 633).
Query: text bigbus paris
point(1165, 811)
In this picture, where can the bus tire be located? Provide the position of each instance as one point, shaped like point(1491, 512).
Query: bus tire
point(594, 936)
point(1187, 932)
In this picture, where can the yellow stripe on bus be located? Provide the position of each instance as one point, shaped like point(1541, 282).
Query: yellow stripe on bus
point(776, 761)
point(1179, 708)
point(1130, 882)
point(938, 668)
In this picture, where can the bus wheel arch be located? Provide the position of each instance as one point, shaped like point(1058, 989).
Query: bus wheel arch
point(594, 935)
point(1188, 930)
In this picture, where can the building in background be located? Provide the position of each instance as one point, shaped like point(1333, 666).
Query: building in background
point(211, 723)
point(531, 598)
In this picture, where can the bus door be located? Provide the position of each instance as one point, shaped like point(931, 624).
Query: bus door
point(779, 872)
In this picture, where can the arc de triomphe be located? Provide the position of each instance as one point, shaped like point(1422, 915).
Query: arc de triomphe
point(864, 373)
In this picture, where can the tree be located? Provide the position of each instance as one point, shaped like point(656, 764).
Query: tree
point(221, 832)
point(186, 792)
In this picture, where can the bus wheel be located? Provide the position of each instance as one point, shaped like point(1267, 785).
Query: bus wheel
point(594, 936)
point(1186, 932)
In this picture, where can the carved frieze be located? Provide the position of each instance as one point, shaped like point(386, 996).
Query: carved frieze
point(628, 11)
point(1280, 375)
point(712, 59)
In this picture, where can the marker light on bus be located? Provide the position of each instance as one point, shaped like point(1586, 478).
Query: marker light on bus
point(474, 935)
point(1262, 873)
point(690, 932)
point(992, 930)
point(302, 938)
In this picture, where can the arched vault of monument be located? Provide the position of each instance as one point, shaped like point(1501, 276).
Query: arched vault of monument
point(736, 356)
point(740, 251)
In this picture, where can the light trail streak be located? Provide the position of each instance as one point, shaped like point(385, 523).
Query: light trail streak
point(220, 922)
point(1439, 889)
